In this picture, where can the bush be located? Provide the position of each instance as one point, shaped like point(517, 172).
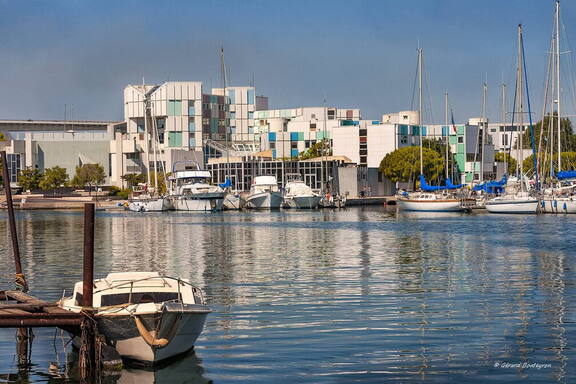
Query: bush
point(113, 191)
point(124, 193)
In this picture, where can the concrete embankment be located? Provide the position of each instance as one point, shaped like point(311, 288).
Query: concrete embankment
point(36, 202)
point(372, 200)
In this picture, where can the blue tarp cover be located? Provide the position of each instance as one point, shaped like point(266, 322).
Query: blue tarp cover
point(226, 184)
point(566, 175)
point(492, 186)
point(449, 184)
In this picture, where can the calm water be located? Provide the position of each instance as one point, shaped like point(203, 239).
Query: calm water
point(359, 295)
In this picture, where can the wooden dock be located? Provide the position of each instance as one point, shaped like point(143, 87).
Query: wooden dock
point(20, 310)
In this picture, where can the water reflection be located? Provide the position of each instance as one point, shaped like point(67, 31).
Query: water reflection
point(353, 295)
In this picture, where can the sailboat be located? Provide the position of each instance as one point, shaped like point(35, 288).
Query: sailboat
point(517, 198)
point(560, 198)
point(428, 199)
point(150, 202)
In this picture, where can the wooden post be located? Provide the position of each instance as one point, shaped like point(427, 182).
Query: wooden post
point(20, 279)
point(88, 270)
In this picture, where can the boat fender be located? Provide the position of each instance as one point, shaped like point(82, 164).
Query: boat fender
point(564, 207)
point(543, 204)
point(555, 204)
point(148, 338)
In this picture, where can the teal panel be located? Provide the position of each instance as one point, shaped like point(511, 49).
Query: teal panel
point(300, 136)
point(174, 107)
point(403, 129)
point(174, 139)
point(460, 148)
point(460, 129)
point(214, 125)
point(271, 136)
point(453, 139)
point(250, 96)
point(294, 152)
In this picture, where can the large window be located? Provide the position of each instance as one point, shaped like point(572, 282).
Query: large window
point(191, 126)
point(174, 139)
point(174, 107)
point(14, 166)
point(191, 110)
point(250, 96)
point(232, 96)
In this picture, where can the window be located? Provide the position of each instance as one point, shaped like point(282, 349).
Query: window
point(192, 142)
point(191, 110)
point(380, 178)
point(161, 137)
point(140, 128)
point(232, 96)
point(460, 139)
point(313, 116)
point(294, 145)
point(272, 145)
point(250, 96)
point(363, 152)
point(137, 297)
point(363, 159)
point(14, 166)
point(504, 139)
point(174, 139)
point(312, 126)
point(250, 115)
point(174, 107)
point(191, 126)
point(232, 114)
point(405, 117)
point(363, 132)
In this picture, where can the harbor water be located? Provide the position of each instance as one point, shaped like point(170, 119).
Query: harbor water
point(361, 295)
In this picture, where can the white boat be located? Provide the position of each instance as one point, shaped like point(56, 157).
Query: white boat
point(264, 194)
point(192, 192)
point(518, 203)
point(299, 195)
point(145, 316)
point(558, 204)
point(429, 202)
point(149, 204)
point(232, 201)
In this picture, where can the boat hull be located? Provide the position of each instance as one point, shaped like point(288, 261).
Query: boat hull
point(181, 328)
point(527, 206)
point(558, 205)
point(303, 202)
point(448, 205)
point(264, 200)
point(150, 205)
point(231, 202)
point(198, 204)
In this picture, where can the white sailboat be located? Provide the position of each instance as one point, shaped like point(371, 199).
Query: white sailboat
point(151, 201)
point(426, 201)
point(299, 195)
point(145, 316)
point(559, 198)
point(517, 199)
point(264, 194)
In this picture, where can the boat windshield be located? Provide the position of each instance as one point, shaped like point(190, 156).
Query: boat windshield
point(137, 298)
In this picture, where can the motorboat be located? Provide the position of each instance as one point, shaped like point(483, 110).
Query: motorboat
point(429, 202)
point(192, 192)
point(299, 195)
point(146, 203)
point(264, 194)
point(145, 316)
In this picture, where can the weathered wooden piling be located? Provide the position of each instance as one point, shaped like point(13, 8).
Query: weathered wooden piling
point(20, 279)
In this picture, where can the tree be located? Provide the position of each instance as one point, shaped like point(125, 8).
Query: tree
point(567, 137)
point(134, 179)
point(315, 150)
point(53, 178)
point(568, 158)
point(30, 178)
point(404, 164)
point(161, 182)
point(91, 175)
point(505, 157)
point(2, 137)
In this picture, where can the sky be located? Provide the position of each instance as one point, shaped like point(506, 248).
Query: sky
point(356, 54)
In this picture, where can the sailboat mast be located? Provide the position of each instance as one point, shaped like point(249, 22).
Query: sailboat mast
point(147, 139)
point(227, 127)
point(558, 81)
point(155, 149)
point(519, 81)
point(503, 119)
point(420, 108)
point(446, 141)
point(484, 126)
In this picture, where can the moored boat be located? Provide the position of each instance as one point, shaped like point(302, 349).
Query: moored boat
point(429, 202)
point(146, 317)
point(518, 203)
point(192, 192)
point(299, 195)
point(264, 194)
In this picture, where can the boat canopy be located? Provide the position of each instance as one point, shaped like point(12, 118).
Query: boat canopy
point(492, 186)
point(426, 187)
point(192, 174)
point(450, 185)
point(562, 175)
point(226, 184)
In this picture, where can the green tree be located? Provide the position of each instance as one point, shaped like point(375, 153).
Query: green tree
point(134, 179)
point(568, 158)
point(91, 175)
point(501, 157)
point(54, 178)
point(404, 164)
point(2, 138)
point(161, 182)
point(30, 178)
point(315, 150)
point(567, 137)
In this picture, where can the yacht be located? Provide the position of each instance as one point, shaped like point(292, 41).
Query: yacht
point(264, 194)
point(192, 192)
point(299, 195)
point(147, 203)
point(145, 316)
point(429, 202)
point(513, 203)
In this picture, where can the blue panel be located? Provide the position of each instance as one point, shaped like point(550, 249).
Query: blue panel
point(444, 130)
point(250, 96)
point(192, 142)
point(191, 126)
point(273, 153)
point(424, 130)
point(375, 122)
point(191, 111)
point(271, 136)
point(294, 152)
point(293, 136)
point(232, 96)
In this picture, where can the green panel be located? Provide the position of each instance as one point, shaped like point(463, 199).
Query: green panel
point(460, 148)
point(469, 177)
point(214, 125)
point(174, 107)
point(319, 135)
point(174, 139)
point(453, 139)
point(460, 129)
point(460, 160)
point(300, 136)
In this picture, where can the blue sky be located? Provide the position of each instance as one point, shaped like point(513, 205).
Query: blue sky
point(360, 54)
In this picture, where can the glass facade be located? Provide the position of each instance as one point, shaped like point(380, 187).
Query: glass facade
point(174, 107)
